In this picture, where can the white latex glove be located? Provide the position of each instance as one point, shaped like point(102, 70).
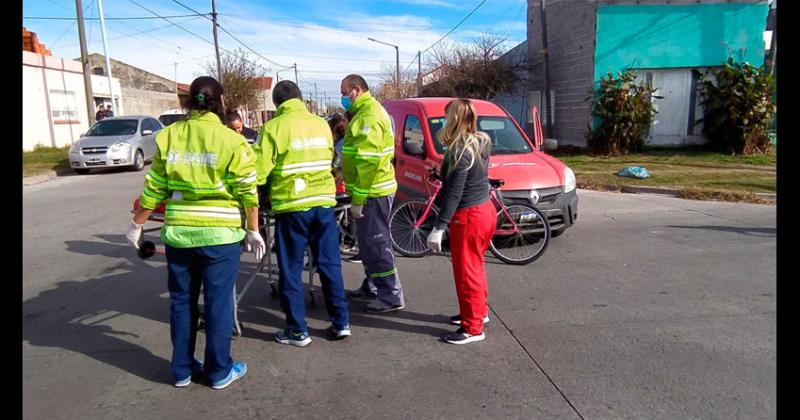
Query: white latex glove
point(254, 243)
point(134, 234)
point(355, 211)
point(435, 239)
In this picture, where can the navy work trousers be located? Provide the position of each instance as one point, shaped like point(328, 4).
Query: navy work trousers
point(215, 268)
point(294, 231)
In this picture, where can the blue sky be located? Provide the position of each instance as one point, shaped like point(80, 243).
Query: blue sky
point(326, 38)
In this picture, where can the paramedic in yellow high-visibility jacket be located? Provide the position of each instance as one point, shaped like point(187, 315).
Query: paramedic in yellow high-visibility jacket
point(294, 156)
point(369, 179)
point(207, 175)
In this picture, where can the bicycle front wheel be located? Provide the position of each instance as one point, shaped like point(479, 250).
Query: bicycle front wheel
point(407, 238)
point(522, 238)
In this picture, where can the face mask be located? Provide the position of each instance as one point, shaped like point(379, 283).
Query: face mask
point(346, 102)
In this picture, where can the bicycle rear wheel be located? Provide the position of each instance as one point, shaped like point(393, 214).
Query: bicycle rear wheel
point(408, 239)
point(527, 242)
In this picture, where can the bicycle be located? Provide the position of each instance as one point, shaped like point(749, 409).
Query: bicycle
point(521, 235)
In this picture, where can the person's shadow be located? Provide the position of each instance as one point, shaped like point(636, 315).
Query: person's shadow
point(74, 316)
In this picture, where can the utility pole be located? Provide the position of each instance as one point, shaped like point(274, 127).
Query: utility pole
point(87, 72)
point(316, 100)
point(548, 107)
point(108, 60)
point(216, 41)
point(419, 73)
point(295, 75)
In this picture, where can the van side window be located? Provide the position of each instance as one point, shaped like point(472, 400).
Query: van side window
point(412, 135)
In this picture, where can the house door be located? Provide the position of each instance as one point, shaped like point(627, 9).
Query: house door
point(673, 124)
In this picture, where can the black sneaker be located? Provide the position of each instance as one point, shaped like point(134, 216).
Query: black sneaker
point(355, 259)
point(456, 319)
point(361, 294)
point(379, 307)
point(461, 337)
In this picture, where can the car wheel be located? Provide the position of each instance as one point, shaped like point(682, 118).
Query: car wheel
point(138, 161)
point(82, 171)
point(557, 233)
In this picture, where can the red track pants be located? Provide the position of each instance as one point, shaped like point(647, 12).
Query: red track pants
point(471, 231)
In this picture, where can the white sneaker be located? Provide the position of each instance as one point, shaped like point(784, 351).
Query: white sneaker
point(343, 333)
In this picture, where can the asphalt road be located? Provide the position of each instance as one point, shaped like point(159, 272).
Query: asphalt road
point(649, 307)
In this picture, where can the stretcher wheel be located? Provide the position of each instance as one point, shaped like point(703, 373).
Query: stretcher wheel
point(146, 250)
point(238, 332)
point(273, 291)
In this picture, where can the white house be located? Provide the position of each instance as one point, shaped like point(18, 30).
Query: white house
point(54, 100)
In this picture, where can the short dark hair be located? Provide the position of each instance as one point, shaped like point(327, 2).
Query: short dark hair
point(353, 80)
point(205, 94)
point(285, 90)
point(233, 116)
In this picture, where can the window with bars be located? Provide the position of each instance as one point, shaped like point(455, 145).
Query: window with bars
point(64, 106)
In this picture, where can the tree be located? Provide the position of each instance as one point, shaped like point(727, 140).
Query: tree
point(240, 79)
point(473, 70)
point(389, 89)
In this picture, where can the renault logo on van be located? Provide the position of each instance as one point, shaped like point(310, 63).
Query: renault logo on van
point(535, 196)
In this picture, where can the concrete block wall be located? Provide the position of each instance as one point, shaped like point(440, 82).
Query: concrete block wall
point(148, 102)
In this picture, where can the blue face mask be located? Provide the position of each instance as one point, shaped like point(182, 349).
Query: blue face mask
point(346, 102)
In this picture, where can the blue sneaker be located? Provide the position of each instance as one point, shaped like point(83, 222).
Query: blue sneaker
point(237, 371)
point(294, 338)
point(197, 368)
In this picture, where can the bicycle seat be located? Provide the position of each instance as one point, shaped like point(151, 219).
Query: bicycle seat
point(496, 183)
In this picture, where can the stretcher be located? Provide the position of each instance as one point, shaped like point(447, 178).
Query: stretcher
point(266, 267)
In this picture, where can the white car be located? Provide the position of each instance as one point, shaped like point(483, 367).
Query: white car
point(171, 115)
point(116, 141)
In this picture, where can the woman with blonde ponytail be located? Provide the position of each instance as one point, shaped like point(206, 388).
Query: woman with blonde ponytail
point(470, 214)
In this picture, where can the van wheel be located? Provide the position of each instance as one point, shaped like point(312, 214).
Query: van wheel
point(82, 171)
point(138, 161)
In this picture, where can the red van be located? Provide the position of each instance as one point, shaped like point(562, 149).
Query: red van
point(530, 175)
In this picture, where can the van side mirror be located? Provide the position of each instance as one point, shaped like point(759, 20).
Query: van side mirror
point(414, 149)
point(147, 132)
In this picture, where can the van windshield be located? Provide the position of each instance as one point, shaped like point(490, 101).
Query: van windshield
point(506, 139)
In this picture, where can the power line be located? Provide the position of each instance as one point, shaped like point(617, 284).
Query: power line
point(195, 11)
point(251, 50)
point(456, 27)
point(175, 24)
point(88, 18)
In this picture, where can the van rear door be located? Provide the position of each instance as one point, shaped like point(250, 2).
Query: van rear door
point(412, 166)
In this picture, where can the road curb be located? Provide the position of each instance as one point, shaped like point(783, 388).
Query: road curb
point(38, 179)
point(672, 192)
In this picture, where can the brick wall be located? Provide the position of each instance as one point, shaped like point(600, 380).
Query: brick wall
point(570, 37)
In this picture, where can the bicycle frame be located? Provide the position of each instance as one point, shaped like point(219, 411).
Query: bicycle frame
point(437, 187)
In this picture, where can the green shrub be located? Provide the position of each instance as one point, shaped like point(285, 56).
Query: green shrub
point(737, 105)
point(624, 111)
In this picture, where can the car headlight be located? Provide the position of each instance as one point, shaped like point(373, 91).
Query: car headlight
point(74, 148)
point(569, 180)
point(119, 147)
